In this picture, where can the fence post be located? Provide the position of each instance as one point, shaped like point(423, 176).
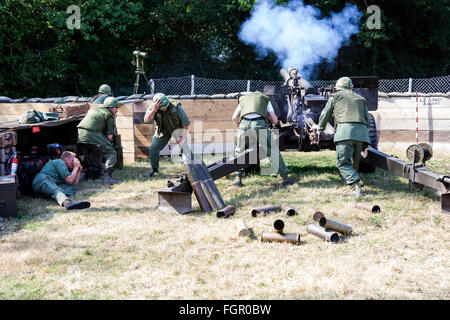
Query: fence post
point(410, 85)
point(248, 85)
point(152, 86)
point(192, 85)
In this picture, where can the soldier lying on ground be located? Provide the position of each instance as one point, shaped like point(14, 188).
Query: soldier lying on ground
point(55, 181)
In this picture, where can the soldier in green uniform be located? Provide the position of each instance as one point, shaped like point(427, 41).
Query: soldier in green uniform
point(171, 121)
point(252, 115)
point(96, 130)
point(351, 120)
point(57, 182)
point(103, 92)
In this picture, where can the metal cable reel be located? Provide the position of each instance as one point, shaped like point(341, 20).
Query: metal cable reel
point(423, 152)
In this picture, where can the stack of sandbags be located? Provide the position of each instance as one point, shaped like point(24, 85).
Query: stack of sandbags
point(8, 142)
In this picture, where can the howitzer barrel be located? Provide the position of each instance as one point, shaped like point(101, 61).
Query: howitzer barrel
point(288, 77)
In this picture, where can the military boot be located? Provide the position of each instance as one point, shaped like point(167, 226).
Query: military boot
point(150, 174)
point(286, 181)
point(238, 181)
point(76, 205)
point(108, 179)
point(356, 190)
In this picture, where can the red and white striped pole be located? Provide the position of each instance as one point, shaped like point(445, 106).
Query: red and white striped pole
point(417, 117)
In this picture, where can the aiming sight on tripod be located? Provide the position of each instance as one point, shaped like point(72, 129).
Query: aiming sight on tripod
point(138, 61)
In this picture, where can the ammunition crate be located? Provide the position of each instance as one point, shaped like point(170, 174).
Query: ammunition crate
point(8, 138)
point(8, 196)
point(68, 110)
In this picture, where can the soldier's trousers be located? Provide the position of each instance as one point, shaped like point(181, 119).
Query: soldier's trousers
point(348, 155)
point(248, 136)
point(98, 148)
point(158, 143)
point(58, 192)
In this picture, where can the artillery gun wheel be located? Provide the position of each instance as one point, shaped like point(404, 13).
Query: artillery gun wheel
point(363, 166)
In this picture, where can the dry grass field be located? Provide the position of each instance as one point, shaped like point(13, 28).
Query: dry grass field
point(124, 248)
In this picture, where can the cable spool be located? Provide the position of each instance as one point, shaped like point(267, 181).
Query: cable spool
point(424, 152)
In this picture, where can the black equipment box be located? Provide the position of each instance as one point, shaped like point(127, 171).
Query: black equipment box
point(8, 196)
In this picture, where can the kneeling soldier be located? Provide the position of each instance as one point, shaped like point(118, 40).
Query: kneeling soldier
point(55, 181)
point(96, 130)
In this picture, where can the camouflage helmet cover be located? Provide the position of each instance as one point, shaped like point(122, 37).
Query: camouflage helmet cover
point(111, 102)
point(104, 88)
point(344, 83)
point(162, 99)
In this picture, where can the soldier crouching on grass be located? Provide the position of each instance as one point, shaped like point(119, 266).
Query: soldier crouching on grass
point(55, 181)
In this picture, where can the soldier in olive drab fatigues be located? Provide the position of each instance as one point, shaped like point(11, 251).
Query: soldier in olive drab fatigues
point(253, 114)
point(169, 116)
point(103, 92)
point(57, 182)
point(96, 130)
point(351, 119)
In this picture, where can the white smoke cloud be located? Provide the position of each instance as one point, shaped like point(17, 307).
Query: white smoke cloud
point(296, 34)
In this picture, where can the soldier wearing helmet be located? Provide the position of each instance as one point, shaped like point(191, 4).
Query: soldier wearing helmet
point(351, 121)
point(171, 121)
point(103, 92)
point(96, 131)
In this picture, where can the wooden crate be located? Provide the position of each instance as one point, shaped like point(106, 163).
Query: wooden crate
point(68, 110)
point(8, 138)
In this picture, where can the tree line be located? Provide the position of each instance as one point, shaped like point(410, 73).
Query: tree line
point(40, 56)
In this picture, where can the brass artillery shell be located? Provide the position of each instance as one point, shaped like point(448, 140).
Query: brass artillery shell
point(317, 215)
point(200, 195)
point(322, 233)
point(280, 237)
point(335, 226)
point(264, 211)
point(244, 231)
point(288, 209)
point(278, 226)
point(226, 212)
point(369, 207)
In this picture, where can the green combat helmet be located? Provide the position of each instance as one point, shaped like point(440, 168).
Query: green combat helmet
point(344, 83)
point(163, 99)
point(104, 88)
point(111, 102)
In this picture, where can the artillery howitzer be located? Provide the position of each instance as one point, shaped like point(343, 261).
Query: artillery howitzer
point(298, 106)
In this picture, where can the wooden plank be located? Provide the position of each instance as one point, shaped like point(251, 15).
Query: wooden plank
point(410, 124)
point(410, 135)
point(125, 122)
point(143, 129)
point(19, 108)
point(126, 134)
point(125, 110)
point(129, 157)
